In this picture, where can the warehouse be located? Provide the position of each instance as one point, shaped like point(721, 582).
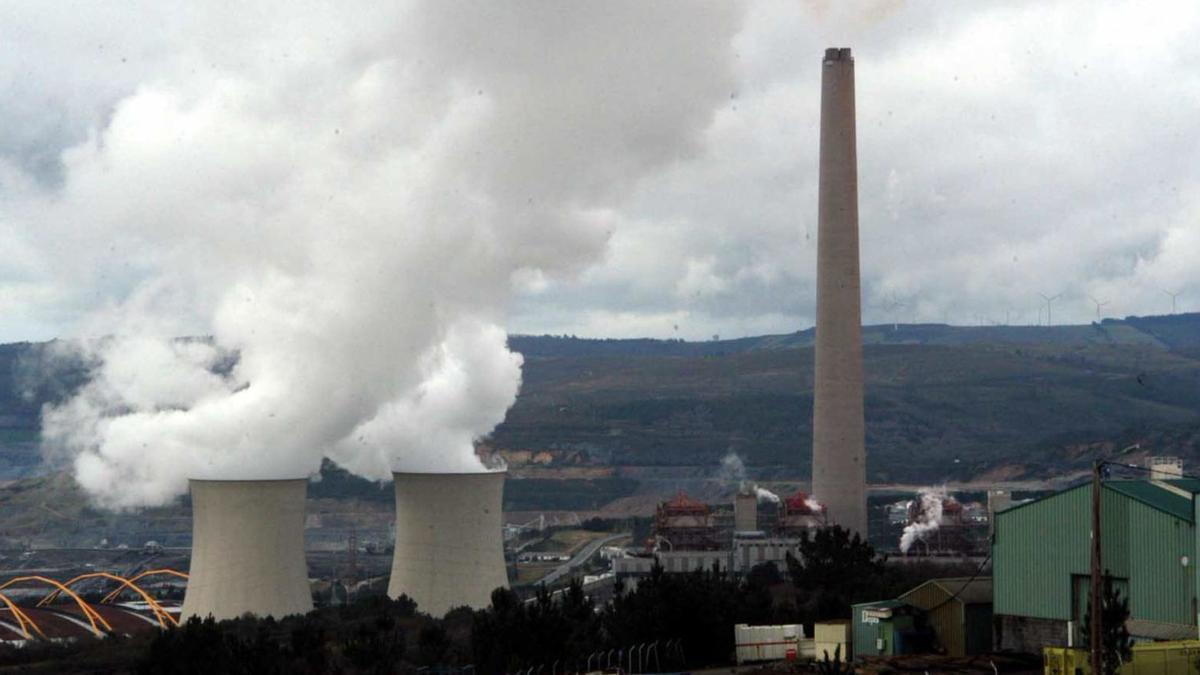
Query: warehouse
point(959, 611)
point(1041, 562)
point(949, 616)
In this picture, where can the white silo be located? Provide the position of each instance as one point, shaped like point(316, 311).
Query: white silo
point(449, 541)
point(247, 549)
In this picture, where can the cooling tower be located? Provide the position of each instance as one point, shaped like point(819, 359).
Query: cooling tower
point(839, 457)
point(449, 541)
point(247, 549)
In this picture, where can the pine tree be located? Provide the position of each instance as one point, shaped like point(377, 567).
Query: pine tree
point(1117, 647)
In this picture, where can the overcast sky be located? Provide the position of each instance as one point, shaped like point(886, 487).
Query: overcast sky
point(1006, 150)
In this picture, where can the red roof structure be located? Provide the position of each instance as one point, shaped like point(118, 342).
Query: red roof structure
point(799, 504)
point(681, 503)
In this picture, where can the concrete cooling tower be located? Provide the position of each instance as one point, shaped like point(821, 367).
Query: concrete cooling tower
point(247, 549)
point(449, 541)
point(839, 454)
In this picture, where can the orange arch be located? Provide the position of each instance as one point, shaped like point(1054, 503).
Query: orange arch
point(159, 613)
point(92, 615)
point(133, 579)
point(22, 619)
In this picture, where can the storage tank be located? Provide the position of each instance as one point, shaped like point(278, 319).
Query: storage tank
point(449, 546)
point(247, 549)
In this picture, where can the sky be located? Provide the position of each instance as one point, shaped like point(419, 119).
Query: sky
point(1006, 150)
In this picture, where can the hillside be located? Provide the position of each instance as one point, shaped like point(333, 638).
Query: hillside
point(943, 402)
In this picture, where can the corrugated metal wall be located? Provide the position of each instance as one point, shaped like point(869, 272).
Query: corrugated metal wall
point(1036, 549)
point(1039, 547)
point(864, 634)
point(1161, 588)
point(946, 619)
point(979, 629)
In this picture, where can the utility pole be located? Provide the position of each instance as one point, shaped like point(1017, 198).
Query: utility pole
point(1094, 633)
point(1095, 648)
point(350, 571)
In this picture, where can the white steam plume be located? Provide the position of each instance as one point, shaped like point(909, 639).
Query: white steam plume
point(765, 495)
point(733, 469)
point(929, 517)
point(344, 203)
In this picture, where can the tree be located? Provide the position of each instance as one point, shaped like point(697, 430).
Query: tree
point(1116, 645)
point(432, 643)
point(834, 570)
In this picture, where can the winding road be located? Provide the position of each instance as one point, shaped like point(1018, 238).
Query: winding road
point(579, 558)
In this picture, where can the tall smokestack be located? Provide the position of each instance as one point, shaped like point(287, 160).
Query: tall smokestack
point(247, 549)
point(449, 540)
point(839, 457)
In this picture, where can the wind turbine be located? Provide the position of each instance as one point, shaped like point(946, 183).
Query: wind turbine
point(1049, 300)
point(1174, 295)
point(893, 307)
point(1098, 305)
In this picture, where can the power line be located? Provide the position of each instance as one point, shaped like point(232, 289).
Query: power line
point(978, 571)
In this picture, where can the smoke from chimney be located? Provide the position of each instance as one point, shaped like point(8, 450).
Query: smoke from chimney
point(929, 517)
point(765, 495)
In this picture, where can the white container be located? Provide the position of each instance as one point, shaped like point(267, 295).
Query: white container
point(829, 637)
point(767, 643)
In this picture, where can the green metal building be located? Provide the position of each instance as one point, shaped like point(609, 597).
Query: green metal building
point(951, 616)
point(879, 627)
point(1041, 556)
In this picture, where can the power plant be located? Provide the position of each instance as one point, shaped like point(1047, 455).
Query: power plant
point(449, 548)
point(247, 549)
point(839, 455)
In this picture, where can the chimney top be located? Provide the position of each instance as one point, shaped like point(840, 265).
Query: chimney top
point(838, 54)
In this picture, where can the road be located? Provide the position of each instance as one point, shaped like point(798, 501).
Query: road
point(584, 554)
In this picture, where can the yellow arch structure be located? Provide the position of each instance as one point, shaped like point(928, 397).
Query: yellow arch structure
point(22, 619)
point(92, 615)
point(161, 614)
point(137, 577)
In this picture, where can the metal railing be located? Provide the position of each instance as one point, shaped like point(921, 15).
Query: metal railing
point(637, 659)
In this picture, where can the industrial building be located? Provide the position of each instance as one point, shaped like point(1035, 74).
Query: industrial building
point(799, 513)
point(746, 553)
point(1041, 562)
point(449, 551)
point(247, 549)
point(962, 529)
point(951, 616)
point(887, 628)
point(959, 611)
point(690, 535)
point(683, 523)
